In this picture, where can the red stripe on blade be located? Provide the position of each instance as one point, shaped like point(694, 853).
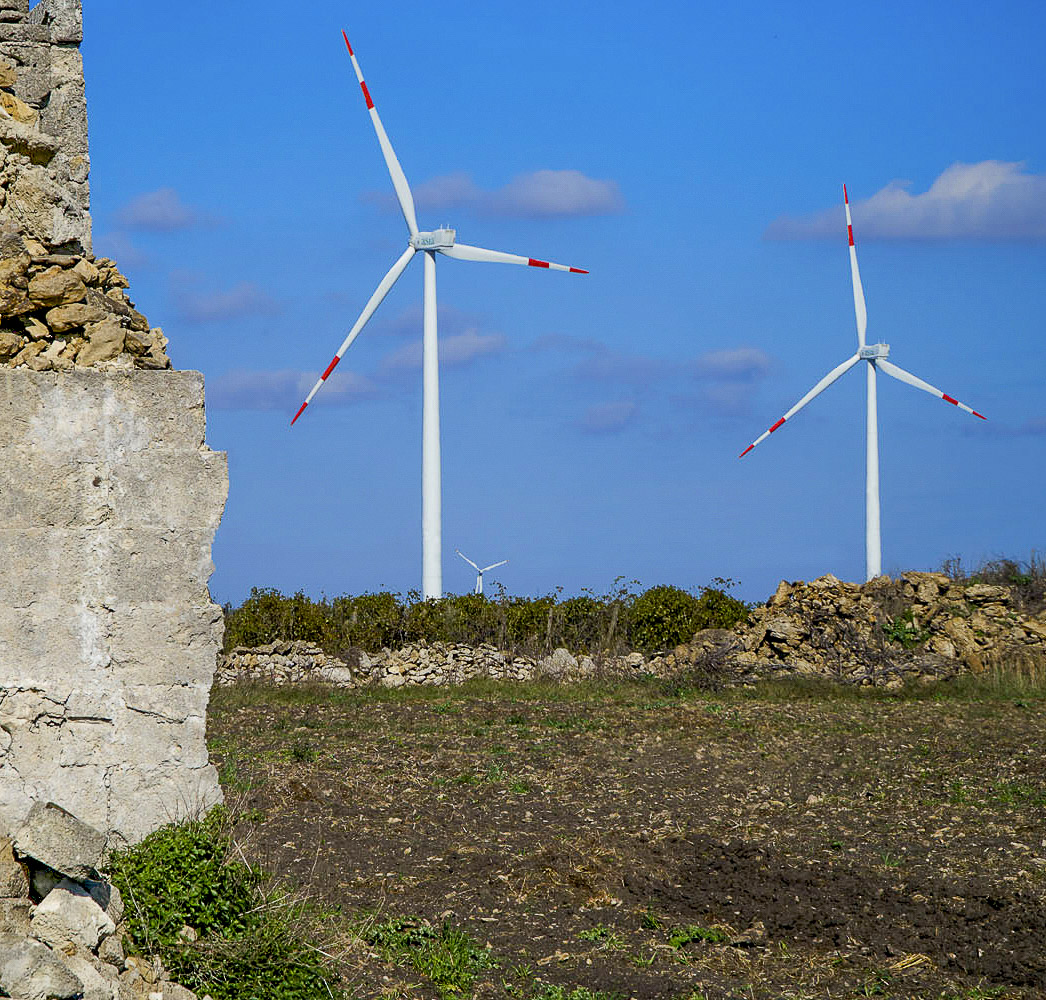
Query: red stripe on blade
point(577, 270)
point(366, 94)
point(846, 197)
point(850, 231)
point(981, 415)
point(330, 368)
point(347, 45)
point(746, 451)
point(299, 413)
point(778, 424)
point(537, 263)
point(948, 399)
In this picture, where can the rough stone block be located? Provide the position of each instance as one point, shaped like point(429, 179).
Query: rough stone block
point(69, 915)
point(14, 879)
point(109, 500)
point(95, 985)
point(63, 18)
point(59, 840)
point(15, 31)
point(30, 969)
point(14, 916)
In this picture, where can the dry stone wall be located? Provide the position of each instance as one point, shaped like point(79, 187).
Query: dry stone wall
point(920, 628)
point(109, 502)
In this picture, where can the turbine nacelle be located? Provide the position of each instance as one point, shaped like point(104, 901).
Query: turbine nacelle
point(874, 352)
point(438, 239)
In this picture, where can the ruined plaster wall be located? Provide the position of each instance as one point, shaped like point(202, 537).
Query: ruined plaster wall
point(109, 501)
point(44, 156)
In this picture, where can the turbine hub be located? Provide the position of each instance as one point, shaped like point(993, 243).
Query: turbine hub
point(872, 352)
point(438, 239)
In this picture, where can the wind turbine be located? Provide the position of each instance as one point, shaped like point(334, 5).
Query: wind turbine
point(480, 572)
point(875, 355)
point(443, 241)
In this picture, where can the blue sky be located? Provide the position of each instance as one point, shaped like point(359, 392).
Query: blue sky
point(692, 157)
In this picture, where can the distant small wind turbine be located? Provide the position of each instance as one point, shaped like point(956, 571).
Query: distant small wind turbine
point(480, 572)
point(875, 355)
point(440, 241)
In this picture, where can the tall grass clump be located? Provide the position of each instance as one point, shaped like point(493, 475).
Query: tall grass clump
point(1025, 579)
point(619, 621)
point(216, 924)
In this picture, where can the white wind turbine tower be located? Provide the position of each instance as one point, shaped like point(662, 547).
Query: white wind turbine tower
point(441, 241)
point(480, 572)
point(875, 355)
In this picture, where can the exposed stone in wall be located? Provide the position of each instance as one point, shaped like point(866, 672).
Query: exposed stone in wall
point(60, 311)
point(922, 627)
point(109, 501)
point(44, 156)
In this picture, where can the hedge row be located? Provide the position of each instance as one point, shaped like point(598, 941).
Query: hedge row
point(620, 621)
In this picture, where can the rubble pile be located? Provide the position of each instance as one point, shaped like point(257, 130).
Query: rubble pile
point(60, 311)
point(923, 624)
point(61, 922)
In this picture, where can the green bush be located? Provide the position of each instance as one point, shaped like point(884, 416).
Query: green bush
point(249, 942)
point(369, 621)
point(614, 623)
point(662, 617)
point(717, 609)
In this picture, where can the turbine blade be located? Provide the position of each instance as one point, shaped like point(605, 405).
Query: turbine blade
point(462, 251)
point(859, 305)
point(375, 300)
point(835, 373)
point(907, 377)
point(494, 565)
point(399, 179)
point(469, 561)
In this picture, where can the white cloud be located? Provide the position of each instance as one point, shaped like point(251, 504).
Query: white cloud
point(119, 247)
point(284, 390)
point(198, 305)
point(158, 211)
point(460, 349)
point(985, 202)
point(734, 363)
point(609, 418)
point(448, 191)
point(548, 194)
point(543, 194)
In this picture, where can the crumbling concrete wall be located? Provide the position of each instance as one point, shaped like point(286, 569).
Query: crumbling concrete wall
point(109, 502)
point(44, 155)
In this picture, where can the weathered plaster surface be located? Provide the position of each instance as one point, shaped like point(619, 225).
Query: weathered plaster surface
point(109, 502)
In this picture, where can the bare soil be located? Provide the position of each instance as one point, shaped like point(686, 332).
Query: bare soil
point(636, 842)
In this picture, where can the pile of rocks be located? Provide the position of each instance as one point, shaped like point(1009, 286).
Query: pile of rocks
point(923, 626)
point(61, 923)
point(64, 310)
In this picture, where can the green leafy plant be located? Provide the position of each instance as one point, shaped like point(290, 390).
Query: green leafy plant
point(682, 936)
point(447, 956)
point(903, 631)
point(250, 937)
